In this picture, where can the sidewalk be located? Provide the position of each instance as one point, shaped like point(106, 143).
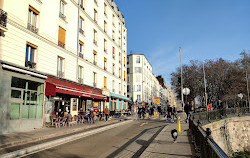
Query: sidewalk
point(163, 145)
point(16, 139)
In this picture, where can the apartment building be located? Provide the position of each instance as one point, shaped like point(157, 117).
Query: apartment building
point(141, 83)
point(60, 56)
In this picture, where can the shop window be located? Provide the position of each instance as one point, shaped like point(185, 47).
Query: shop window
point(29, 95)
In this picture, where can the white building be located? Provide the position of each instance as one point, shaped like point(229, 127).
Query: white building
point(73, 51)
point(142, 83)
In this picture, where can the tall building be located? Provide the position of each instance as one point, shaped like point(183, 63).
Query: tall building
point(62, 56)
point(142, 84)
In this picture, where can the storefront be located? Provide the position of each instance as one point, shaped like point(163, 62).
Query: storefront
point(63, 96)
point(22, 98)
point(118, 102)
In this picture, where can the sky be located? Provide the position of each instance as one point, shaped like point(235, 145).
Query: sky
point(205, 29)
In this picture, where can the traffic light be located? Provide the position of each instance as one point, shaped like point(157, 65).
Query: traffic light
point(179, 81)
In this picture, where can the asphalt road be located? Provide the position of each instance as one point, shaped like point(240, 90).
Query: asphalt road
point(129, 140)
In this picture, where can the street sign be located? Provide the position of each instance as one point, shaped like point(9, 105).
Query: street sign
point(186, 91)
point(157, 100)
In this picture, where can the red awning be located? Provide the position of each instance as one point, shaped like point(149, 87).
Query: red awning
point(55, 85)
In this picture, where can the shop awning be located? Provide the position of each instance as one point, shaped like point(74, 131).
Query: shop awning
point(54, 86)
point(116, 96)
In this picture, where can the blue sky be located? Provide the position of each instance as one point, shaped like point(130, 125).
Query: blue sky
point(205, 29)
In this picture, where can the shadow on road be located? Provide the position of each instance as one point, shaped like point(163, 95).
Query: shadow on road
point(144, 143)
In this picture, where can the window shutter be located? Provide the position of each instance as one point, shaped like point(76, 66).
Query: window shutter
point(80, 42)
point(61, 35)
point(34, 10)
point(105, 59)
point(94, 52)
point(105, 82)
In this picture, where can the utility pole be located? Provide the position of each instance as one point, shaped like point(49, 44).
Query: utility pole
point(181, 80)
point(246, 77)
point(205, 86)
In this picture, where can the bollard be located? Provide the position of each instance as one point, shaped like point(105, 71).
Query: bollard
point(179, 124)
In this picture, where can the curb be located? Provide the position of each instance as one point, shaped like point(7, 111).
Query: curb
point(30, 140)
point(61, 141)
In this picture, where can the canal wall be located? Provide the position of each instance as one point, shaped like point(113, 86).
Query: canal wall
point(231, 134)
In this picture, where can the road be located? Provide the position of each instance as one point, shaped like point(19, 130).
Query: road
point(129, 140)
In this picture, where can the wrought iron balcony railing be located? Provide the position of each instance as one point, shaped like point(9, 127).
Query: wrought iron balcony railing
point(60, 74)
point(61, 44)
point(3, 18)
point(94, 62)
point(80, 80)
point(61, 15)
point(81, 31)
point(94, 84)
point(80, 55)
point(95, 42)
point(32, 28)
point(30, 64)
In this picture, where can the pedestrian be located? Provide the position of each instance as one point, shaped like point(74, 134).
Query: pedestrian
point(91, 116)
point(159, 110)
point(187, 110)
point(106, 112)
point(174, 112)
point(169, 110)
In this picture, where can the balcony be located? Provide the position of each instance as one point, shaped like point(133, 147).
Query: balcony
point(3, 20)
point(113, 73)
point(105, 50)
point(30, 64)
point(94, 84)
point(94, 62)
point(61, 15)
point(60, 74)
point(120, 92)
point(61, 44)
point(32, 28)
point(113, 90)
point(80, 55)
point(95, 21)
point(80, 80)
point(105, 68)
point(81, 31)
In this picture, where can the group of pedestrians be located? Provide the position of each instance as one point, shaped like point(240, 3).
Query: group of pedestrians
point(171, 113)
point(90, 115)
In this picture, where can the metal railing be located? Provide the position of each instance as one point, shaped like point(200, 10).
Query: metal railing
point(61, 15)
point(204, 144)
point(81, 31)
point(3, 18)
point(60, 74)
point(61, 44)
point(32, 28)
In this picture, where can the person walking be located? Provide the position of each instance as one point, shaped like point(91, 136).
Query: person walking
point(174, 113)
point(91, 116)
point(187, 110)
point(106, 112)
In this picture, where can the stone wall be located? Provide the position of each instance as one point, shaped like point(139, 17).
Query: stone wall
point(231, 134)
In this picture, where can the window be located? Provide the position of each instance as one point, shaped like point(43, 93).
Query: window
point(113, 52)
point(119, 41)
point(81, 44)
point(128, 70)
point(127, 60)
point(125, 92)
point(120, 72)
point(105, 45)
point(138, 69)
point(105, 64)
point(105, 26)
point(80, 74)
point(124, 73)
point(128, 79)
point(138, 88)
point(33, 19)
point(105, 9)
point(62, 10)
point(95, 37)
point(119, 57)
point(30, 57)
point(94, 79)
point(138, 60)
point(95, 16)
point(124, 61)
point(61, 37)
point(30, 96)
point(81, 26)
point(113, 86)
point(113, 19)
point(113, 69)
point(82, 4)
point(128, 88)
point(120, 87)
point(60, 67)
point(105, 82)
point(113, 35)
point(119, 27)
point(94, 54)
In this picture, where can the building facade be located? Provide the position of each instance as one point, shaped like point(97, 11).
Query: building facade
point(62, 55)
